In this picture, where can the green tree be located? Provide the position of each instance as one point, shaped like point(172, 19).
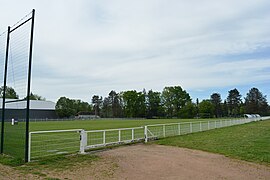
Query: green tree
point(81, 106)
point(188, 111)
point(197, 108)
point(216, 101)
point(256, 102)
point(173, 99)
point(106, 110)
point(65, 107)
point(153, 104)
point(225, 108)
point(115, 104)
point(134, 103)
point(10, 93)
point(36, 97)
point(206, 109)
point(97, 102)
point(234, 102)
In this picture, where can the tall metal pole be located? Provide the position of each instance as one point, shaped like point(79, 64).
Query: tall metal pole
point(28, 88)
point(4, 92)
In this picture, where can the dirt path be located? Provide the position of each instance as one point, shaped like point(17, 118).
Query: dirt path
point(163, 162)
point(155, 162)
point(8, 173)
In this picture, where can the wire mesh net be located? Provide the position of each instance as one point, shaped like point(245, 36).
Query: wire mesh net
point(18, 46)
point(54, 143)
point(3, 39)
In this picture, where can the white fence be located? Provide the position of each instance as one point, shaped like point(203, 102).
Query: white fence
point(47, 143)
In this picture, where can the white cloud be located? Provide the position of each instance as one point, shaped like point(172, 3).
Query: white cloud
point(91, 47)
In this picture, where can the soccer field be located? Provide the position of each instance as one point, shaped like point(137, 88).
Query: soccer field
point(104, 123)
point(58, 137)
point(78, 135)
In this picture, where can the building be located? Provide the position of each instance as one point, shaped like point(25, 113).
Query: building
point(38, 109)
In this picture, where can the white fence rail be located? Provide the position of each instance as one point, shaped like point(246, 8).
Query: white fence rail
point(99, 138)
point(47, 143)
point(174, 129)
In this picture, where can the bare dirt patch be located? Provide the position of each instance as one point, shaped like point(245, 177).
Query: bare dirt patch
point(153, 162)
point(164, 162)
point(7, 172)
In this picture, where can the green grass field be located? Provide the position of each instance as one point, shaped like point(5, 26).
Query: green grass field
point(14, 135)
point(69, 142)
point(250, 142)
point(102, 124)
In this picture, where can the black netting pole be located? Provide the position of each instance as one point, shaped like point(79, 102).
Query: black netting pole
point(28, 89)
point(4, 92)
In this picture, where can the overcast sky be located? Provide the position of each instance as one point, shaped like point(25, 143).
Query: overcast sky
point(88, 47)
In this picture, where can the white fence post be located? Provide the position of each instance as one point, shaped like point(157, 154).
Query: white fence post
point(179, 129)
point(208, 125)
point(119, 135)
point(190, 126)
point(104, 137)
point(200, 126)
point(29, 147)
point(215, 124)
point(164, 131)
point(145, 134)
point(83, 141)
point(132, 134)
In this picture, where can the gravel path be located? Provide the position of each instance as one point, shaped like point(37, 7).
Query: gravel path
point(164, 162)
point(155, 162)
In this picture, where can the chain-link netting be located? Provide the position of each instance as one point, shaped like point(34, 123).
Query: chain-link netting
point(14, 54)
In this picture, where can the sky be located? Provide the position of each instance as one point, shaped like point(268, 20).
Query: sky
point(87, 47)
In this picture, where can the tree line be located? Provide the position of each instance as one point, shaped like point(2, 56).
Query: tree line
point(172, 102)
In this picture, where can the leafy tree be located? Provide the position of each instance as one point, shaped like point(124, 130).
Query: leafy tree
point(216, 101)
point(81, 106)
point(225, 108)
point(10, 93)
point(173, 99)
point(115, 103)
point(64, 107)
point(36, 97)
point(206, 109)
point(188, 111)
point(167, 97)
point(97, 101)
point(106, 108)
point(134, 103)
point(153, 104)
point(234, 102)
point(255, 102)
point(197, 108)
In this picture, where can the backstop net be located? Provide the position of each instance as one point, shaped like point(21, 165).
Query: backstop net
point(16, 58)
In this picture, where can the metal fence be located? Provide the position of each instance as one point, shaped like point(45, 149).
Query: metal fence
point(174, 129)
point(47, 143)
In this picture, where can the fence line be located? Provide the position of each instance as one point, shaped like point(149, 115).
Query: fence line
point(47, 143)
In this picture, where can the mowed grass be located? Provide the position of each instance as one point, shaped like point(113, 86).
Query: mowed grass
point(103, 124)
point(52, 143)
point(250, 142)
